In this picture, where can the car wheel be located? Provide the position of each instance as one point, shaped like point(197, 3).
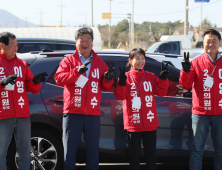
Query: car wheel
point(46, 152)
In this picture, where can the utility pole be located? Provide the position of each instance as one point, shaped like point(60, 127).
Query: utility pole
point(91, 13)
point(41, 18)
point(186, 18)
point(151, 33)
point(132, 26)
point(86, 19)
point(109, 45)
point(201, 17)
point(61, 16)
point(129, 17)
point(150, 29)
point(26, 21)
point(16, 24)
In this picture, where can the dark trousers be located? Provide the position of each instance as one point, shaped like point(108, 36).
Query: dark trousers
point(149, 144)
point(73, 126)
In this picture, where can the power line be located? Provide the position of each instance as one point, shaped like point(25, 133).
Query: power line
point(176, 11)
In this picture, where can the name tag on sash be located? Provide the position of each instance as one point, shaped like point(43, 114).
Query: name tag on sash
point(209, 82)
point(10, 87)
point(136, 103)
point(82, 80)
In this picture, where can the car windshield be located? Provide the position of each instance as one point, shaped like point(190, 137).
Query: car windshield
point(195, 54)
point(153, 47)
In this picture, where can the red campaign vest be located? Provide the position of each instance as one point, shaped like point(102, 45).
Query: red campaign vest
point(206, 101)
point(144, 119)
point(84, 100)
point(16, 103)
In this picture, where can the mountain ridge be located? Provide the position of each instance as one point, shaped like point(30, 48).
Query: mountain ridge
point(7, 19)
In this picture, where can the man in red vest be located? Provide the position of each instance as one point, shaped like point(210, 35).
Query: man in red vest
point(204, 74)
point(16, 80)
point(83, 74)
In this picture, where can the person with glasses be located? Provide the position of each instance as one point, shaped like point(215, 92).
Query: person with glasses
point(83, 74)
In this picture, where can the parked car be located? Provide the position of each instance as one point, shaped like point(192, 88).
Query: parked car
point(36, 44)
point(171, 44)
point(174, 135)
point(197, 54)
point(173, 59)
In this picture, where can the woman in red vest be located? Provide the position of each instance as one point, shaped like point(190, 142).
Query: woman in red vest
point(137, 88)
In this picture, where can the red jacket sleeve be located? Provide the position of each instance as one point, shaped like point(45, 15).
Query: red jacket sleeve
point(106, 85)
point(187, 79)
point(30, 86)
point(161, 87)
point(120, 91)
point(65, 75)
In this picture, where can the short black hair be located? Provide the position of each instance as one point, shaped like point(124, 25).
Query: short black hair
point(212, 31)
point(132, 53)
point(84, 30)
point(4, 37)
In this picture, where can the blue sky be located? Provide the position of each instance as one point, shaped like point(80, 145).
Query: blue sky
point(76, 12)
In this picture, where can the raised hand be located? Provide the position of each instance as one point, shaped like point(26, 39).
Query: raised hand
point(164, 71)
point(39, 78)
point(186, 62)
point(122, 77)
point(83, 68)
point(109, 74)
point(10, 79)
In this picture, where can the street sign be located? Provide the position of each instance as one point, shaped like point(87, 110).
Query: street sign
point(106, 15)
point(152, 39)
point(201, 0)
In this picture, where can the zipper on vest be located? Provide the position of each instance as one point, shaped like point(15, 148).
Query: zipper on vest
point(86, 96)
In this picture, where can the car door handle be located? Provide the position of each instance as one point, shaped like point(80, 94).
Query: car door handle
point(56, 99)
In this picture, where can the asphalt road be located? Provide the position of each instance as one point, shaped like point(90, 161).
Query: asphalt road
point(125, 166)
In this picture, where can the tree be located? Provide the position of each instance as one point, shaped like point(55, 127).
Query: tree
point(206, 24)
point(120, 32)
point(122, 26)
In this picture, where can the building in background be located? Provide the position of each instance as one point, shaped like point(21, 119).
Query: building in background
point(54, 32)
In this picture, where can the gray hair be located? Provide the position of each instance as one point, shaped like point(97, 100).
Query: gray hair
point(84, 30)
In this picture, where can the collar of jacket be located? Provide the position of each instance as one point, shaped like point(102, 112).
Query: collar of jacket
point(94, 58)
point(136, 73)
point(209, 60)
point(3, 57)
point(209, 56)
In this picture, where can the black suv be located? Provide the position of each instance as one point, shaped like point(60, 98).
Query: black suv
point(174, 135)
point(36, 44)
